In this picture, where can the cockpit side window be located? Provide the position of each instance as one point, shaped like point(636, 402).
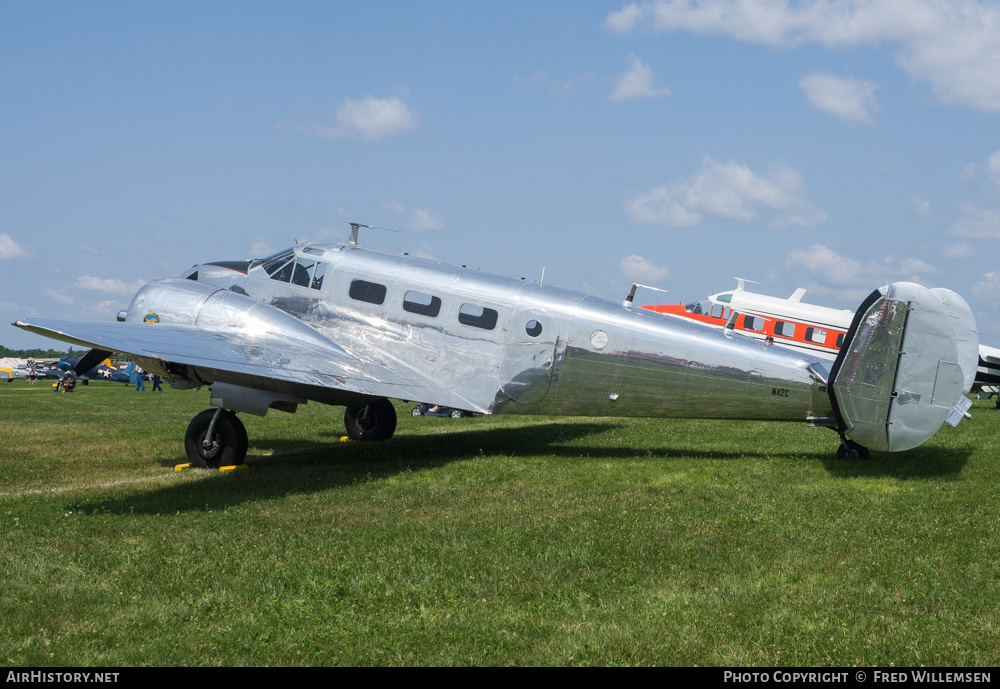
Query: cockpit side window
point(283, 272)
point(318, 274)
point(303, 268)
point(279, 266)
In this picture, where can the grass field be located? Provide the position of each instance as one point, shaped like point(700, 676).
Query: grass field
point(487, 541)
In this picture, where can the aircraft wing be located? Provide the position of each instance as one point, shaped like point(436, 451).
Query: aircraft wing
point(314, 369)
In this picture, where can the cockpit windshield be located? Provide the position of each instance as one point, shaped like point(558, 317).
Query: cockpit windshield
point(699, 308)
point(705, 307)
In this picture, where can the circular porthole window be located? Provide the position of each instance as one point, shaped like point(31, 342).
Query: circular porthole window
point(533, 328)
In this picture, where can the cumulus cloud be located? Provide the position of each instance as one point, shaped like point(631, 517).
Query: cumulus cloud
point(108, 286)
point(987, 289)
point(993, 167)
point(554, 87)
point(10, 249)
point(730, 191)
point(849, 99)
point(954, 46)
point(367, 119)
point(844, 271)
point(959, 250)
point(423, 220)
point(921, 206)
point(977, 223)
point(57, 296)
point(638, 81)
point(639, 269)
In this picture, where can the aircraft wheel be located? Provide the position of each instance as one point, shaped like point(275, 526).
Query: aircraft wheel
point(417, 411)
point(377, 421)
point(457, 413)
point(227, 446)
point(851, 450)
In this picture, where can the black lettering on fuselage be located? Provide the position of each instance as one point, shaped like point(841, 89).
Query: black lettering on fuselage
point(780, 392)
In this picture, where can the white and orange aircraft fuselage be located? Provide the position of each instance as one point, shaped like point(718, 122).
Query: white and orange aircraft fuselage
point(795, 324)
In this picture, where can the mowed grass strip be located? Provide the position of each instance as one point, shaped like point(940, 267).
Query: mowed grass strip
point(487, 541)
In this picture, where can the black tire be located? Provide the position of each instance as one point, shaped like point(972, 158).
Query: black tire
point(417, 411)
point(228, 446)
point(457, 413)
point(377, 421)
point(241, 434)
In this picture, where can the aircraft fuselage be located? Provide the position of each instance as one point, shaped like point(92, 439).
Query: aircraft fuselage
point(505, 345)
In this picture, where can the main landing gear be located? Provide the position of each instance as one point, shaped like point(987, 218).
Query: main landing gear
point(376, 421)
point(851, 450)
point(216, 438)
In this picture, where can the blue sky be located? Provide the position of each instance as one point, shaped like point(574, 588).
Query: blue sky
point(828, 145)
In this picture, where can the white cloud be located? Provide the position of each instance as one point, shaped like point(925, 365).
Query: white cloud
point(959, 250)
point(977, 224)
point(559, 89)
point(109, 286)
point(993, 167)
point(637, 82)
point(261, 249)
point(57, 296)
point(849, 99)
point(952, 46)
point(637, 268)
point(921, 206)
point(969, 174)
point(844, 271)
point(731, 191)
point(987, 289)
point(423, 220)
point(10, 249)
point(826, 264)
point(368, 119)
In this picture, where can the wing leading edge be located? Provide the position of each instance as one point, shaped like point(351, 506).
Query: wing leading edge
point(269, 361)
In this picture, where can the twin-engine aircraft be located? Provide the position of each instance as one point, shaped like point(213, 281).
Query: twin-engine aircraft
point(346, 325)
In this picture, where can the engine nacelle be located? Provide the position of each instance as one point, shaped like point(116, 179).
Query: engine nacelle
point(187, 302)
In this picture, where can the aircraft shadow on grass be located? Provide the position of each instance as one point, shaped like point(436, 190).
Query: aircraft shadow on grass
point(312, 467)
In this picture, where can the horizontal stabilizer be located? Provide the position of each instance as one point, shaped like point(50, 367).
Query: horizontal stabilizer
point(904, 366)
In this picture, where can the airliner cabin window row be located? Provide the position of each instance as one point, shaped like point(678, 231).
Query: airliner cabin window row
point(783, 329)
point(370, 292)
point(816, 335)
point(422, 304)
point(478, 316)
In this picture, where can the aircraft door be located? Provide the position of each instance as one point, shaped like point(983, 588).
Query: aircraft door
point(528, 356)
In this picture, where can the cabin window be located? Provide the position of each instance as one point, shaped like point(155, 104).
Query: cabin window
point(784, 329)
point(423, 304)
point(815, 335)
point(753, 323)
point(317, 278)
point(303, 267)
point(478, 316)
point(718, 310)
point(533, 328)
point(840, 340)
point(371, 292)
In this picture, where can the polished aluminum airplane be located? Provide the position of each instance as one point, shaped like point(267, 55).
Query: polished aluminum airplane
point(343, 324)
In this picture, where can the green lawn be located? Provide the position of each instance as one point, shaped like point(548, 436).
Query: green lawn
point(487, 541)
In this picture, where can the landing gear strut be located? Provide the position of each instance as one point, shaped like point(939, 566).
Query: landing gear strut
point(216, 438)
point(851, 450)
point(377, 421)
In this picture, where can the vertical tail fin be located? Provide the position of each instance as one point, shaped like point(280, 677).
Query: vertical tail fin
point(904, 366)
